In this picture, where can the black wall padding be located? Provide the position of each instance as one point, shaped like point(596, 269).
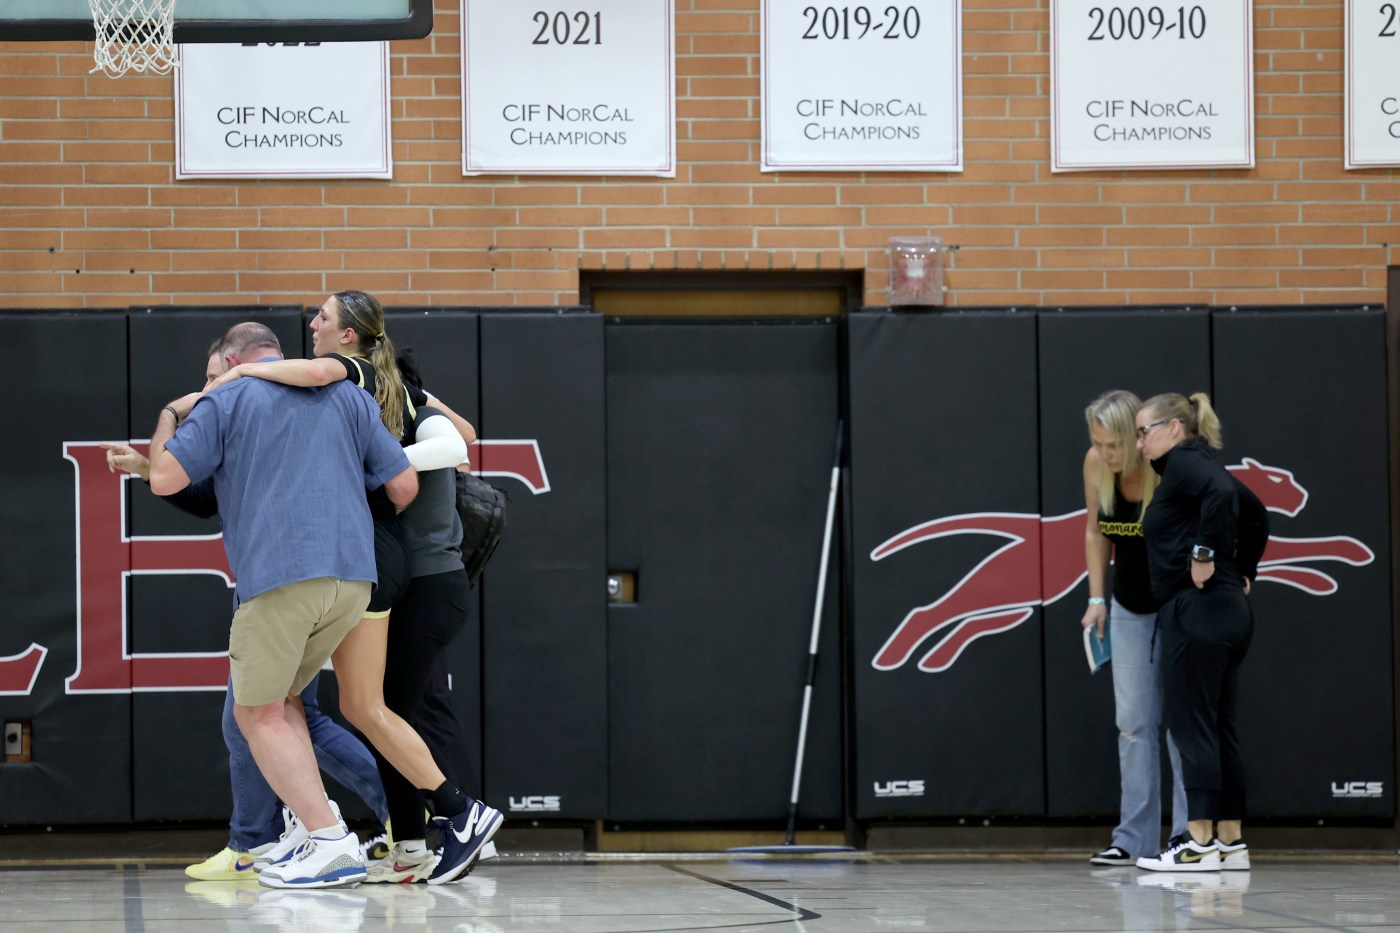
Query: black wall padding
point(697, 455)
point(1082, 355)
point(1305, 392)
point(545, 590)
point(446, 344)
point(944, 430)
point(180, 611)
point(720, 444)
point(67, 377)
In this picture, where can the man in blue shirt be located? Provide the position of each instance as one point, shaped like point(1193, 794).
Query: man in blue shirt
point(290, 468)
point(257, 821)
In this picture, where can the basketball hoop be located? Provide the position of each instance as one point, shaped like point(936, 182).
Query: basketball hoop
point(133, 35)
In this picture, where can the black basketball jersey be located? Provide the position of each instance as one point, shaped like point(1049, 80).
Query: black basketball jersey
point(1131, 585)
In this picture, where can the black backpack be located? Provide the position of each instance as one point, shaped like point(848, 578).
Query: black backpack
point(482, 509)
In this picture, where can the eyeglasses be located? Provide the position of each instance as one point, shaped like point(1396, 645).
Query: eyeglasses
point(1145, 430)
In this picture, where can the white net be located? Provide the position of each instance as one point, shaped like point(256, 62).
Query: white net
point(133, 35)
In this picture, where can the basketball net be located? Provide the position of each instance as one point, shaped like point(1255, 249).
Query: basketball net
point(133, 35)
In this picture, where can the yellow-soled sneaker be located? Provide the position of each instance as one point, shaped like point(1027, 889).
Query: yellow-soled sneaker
point(228, 865)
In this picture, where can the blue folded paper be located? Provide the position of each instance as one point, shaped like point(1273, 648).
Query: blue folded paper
point(1097, 649)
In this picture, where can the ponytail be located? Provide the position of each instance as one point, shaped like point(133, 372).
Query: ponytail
point(388, 385)
point(1207, 422)
point(1197, 416)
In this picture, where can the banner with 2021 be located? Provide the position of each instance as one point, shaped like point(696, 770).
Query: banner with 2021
point(567, 90)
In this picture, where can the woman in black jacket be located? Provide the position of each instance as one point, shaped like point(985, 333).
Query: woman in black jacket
point(1205, 533)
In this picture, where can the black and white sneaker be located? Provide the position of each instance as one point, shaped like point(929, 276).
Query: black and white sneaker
point(1183, 854)
point(1234, 857)
point(1113, 855)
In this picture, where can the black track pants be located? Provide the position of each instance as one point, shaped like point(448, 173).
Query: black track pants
point(432, 613)
point(1204, 637)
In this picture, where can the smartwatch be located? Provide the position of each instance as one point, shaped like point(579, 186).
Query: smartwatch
point(1202, 554)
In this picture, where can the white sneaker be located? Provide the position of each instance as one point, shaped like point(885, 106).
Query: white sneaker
point(292, 836)
point(401, 867)
point(1182, 854)
point(487, 851)
point(333, 857)
point(1233, 857)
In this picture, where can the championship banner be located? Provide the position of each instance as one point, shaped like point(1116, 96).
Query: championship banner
point(1373, 84)
point(1151, 87)
point(276, 111)
point(588, 91)
point(876, 88)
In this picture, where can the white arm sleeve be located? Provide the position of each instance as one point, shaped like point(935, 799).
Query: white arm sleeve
point(438, 446)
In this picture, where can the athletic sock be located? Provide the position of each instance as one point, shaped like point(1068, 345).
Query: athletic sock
point(415, 847)
point(447, 800)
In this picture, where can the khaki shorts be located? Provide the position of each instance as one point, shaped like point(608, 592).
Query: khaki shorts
point(281, 638)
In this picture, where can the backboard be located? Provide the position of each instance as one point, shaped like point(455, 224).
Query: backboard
point(234, 20)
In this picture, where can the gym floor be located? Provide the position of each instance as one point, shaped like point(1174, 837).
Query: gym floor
point(864, 892)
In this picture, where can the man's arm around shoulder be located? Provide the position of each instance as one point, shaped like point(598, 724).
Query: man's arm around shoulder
point(383, 457)
point(167, 475)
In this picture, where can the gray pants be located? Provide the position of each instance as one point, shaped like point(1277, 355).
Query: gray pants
point(1137, 695)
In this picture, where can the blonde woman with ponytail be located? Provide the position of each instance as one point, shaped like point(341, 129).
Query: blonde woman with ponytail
point(349, 342)
point(1118, 485)
point(1205, 533)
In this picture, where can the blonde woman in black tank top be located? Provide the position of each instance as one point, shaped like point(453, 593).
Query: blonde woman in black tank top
point(1117, 484)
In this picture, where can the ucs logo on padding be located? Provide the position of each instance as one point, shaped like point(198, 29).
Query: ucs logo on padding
point(1043, 561)
point(1352, 789)
point(899, 789)
point(540, 803)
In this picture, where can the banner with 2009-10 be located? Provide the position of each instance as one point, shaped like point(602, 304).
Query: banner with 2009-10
point(1151, 86)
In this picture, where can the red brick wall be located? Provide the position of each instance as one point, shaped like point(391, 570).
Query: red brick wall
point(90, 214)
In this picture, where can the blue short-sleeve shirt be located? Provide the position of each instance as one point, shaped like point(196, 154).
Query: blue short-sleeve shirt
point(290, 468)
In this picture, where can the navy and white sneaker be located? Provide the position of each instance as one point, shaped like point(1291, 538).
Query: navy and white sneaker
point(463, 836)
